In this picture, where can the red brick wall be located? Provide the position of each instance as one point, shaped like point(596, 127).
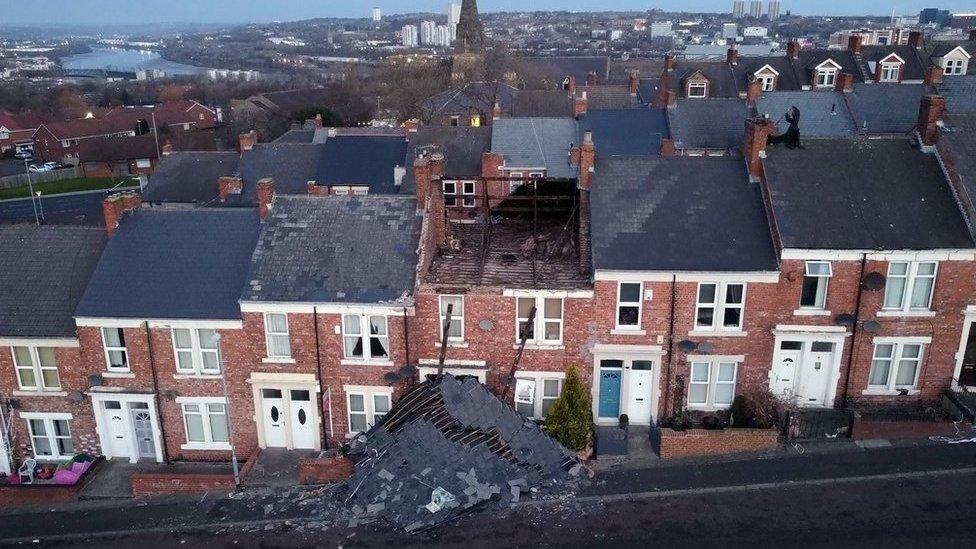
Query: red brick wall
point(151, 484)
point(701, 442)
point(869, 429)
point(324, 470)
point(15, 496)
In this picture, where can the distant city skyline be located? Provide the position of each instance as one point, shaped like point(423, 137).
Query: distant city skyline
point(109, 12)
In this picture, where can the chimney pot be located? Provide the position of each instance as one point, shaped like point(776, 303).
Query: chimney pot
point(496, 111)
point(591, 79)
point(670, 62)
point(571, 85)
point(580, 105)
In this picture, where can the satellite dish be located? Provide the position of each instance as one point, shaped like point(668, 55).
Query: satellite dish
point(687, 346)
point(873, 281)
point(844, 319)
point(486, 325)
point(406, 372)
point(75, 396)
point(705, 347)
point(872, 326)
point(95, 380)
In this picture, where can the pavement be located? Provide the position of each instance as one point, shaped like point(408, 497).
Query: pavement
point(80, 208)
point(842, 496)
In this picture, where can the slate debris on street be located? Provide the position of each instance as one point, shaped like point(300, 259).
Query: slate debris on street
point(448, 448)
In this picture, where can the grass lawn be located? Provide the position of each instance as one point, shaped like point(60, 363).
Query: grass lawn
point(68, 186)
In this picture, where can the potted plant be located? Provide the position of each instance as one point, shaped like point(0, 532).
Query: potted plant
point(624, 421)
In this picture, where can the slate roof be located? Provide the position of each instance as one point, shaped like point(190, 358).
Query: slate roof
point(786, 80)
point(462, 147)
point(863, 194)
point(43, 273)
point(335, 249)
point(914, 69)
point(114, 149)
point(174, 264)
point(885, 109)
point(542, 104)
point(553, 70)
point(474, 96)
point(959, 93)
point(190, 176)
point(296, 136)
point(808, 60)
point(822, 114)
point(609, 97)
point(536, 143)
point(720, 77)
point(678, 214)
point(626, 131)
point(704, 51)
point(935, 49)
point(708, 123)
point(959, 139)
point(288, 102)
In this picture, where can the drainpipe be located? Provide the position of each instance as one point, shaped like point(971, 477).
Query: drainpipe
point(318, 362)
point(230, 423)
point(857, 317)
point(406, 342)
point(674, 295)
point(152, 368)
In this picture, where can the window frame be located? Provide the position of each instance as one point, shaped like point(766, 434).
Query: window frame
point(719, 305)
point(711, 384)
point(455, 317)
point(538, 337)
point(911, 277)
point(954, 67)
point(515, 185)
point(895, 364)
point(36, 368)
point(820, 302)
point(468, 198)
point(450, 198)
point(893, 71)
point(203, 410)
point(638, 304)
point(767, 82)
point(117, 349)
point(696, 85)
point(50, 434)
point(268, 334)
point(366, 337)
point(369, 395)
point(197, 352)
point(827, 77)
point(538, 394)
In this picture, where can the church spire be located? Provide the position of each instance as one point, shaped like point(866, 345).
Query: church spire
point(470, 32)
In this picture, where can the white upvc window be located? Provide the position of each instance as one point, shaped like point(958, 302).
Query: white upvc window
point(826, 78)
point(116, 355)
point(910, 285)
point(890, 72)
point(196, 351)
point(456, 330)
point(516, 181)
point(720, 306)
point(50, 435)
point(954, 67)
point(697, 90)
point(629, 305)
point(768, 82)
point(450, 193)
point(534, 396)
point(365, 337)
point(816, 278)
point(711, 385)
point(37, 368)
point(205, 422)
point(547, 329)
point(895, 366)
point(366, 407)
point(468, 194)
point(277, 338)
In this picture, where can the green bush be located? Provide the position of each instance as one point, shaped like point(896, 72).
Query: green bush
point(570, 420)
point(739, 413)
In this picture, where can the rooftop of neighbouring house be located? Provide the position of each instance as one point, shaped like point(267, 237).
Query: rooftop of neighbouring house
point(552, 71)
point(174, 264)
point(336, 249)
point(626, 131)
point(190, 177)
point(959, 93)
point(959, 139)
point(474, 96)
point(708, 123)
point(885, 109)
point(43, 273)
point(863, 194)
point(913, 69)
point(536, 143)
point(721, 79)
point(678, 214)
point(822, 114)
point(542, 104)
point(462, 147)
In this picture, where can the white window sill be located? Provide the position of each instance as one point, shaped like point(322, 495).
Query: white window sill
point(541, 347)
point(29, 393)
point(354, 362)
point(811, 312)
point(453, 345)
point(888, 392)
point(205, 446)
point(197, 376)
point(118, 375)
point(628, 332)
point(906, 314)
point(278, 360)
point(705, 408)
point(717, 333)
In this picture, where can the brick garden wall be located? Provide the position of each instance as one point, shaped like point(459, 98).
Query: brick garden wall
point(870, 429)
point(701, 442)
point(150, 484)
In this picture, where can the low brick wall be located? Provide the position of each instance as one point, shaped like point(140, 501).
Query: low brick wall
point(154, 484)
point(325, 470)
point(26, 494)
point(879, 428)
point(703, 442)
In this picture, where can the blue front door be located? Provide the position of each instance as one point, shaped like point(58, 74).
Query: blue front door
point(609, 393)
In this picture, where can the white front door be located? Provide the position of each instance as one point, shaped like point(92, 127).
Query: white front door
point(117, 429)
point(815, 374)
point(273, 412)
point(640, 391)
point(4, 456)
point(783, 383)
point(303, 430)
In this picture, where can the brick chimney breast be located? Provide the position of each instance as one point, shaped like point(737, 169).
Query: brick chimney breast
point(915, 39)
point(591, 79)
point(248, 140)
point(793, 49)
point(933, 75)
point(265, 192)
point(854, 43)
point(929, 114)
point(757, 135)
point(634, 82)
point(580, 105)
point(114, 207)
point(228, 185)
point(753, 91)
point(587, 163)
point(732, 56)
point(845, 82)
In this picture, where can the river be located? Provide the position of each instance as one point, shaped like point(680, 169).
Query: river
point(125, 60)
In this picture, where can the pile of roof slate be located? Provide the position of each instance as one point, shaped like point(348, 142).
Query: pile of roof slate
point(448, 448)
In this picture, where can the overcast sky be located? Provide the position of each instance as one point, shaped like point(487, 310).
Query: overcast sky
point(34, 12)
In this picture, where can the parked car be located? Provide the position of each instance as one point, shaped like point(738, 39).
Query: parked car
point(45, 167)
point(23, 155)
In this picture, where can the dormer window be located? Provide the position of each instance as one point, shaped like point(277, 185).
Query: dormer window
point(826, 77)
point(767, 81)
point(698, 90)
point(890, 72)
point(954, 67)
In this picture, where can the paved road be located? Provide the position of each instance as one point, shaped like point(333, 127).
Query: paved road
point(900, 496)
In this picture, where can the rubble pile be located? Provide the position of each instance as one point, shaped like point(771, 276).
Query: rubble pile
point(447, 448)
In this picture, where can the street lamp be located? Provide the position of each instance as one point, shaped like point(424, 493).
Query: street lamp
point(40, 204)
point(230, 429)
point(30, 187)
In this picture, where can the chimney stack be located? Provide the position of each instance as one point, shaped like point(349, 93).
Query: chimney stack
point(167, 148)
point(580, 105)
point(571, 85)
point(929, 114)
point(436, 210)
point(587, 162)
point(672, 100)
point(915, 39)
point(114, 207)
point(845, 82)
point(634, 82)
point(972, 35)
point(732, 56)
point(248, 140)
point(753, 91)
point(670, 62)
point(793, 49)
point(411, 126)
point(496, 111)
point(266, 192)
point(757, 135)
point(591, 79)
point(315, 189)
point(933, 75)
point(668, 148)
point(228, 185)
point(318, 120)
point(854, 43)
